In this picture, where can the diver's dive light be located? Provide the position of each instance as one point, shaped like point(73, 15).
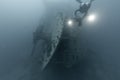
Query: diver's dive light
point(70, 22)
point(73, 22)
point(91, 18)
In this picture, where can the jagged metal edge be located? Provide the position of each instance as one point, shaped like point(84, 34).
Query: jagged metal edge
point(56, 35)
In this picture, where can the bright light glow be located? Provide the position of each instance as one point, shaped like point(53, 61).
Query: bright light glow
point(91, 18)
point(70, 22)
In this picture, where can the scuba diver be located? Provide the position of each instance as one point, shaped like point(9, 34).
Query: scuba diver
point(83, 9)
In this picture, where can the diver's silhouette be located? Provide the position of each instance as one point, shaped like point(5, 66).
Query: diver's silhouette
point(83, 9)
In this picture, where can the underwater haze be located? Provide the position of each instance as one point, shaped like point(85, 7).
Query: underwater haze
point(19, 19)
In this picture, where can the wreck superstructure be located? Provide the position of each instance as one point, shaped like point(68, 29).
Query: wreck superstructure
point(59, 47)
